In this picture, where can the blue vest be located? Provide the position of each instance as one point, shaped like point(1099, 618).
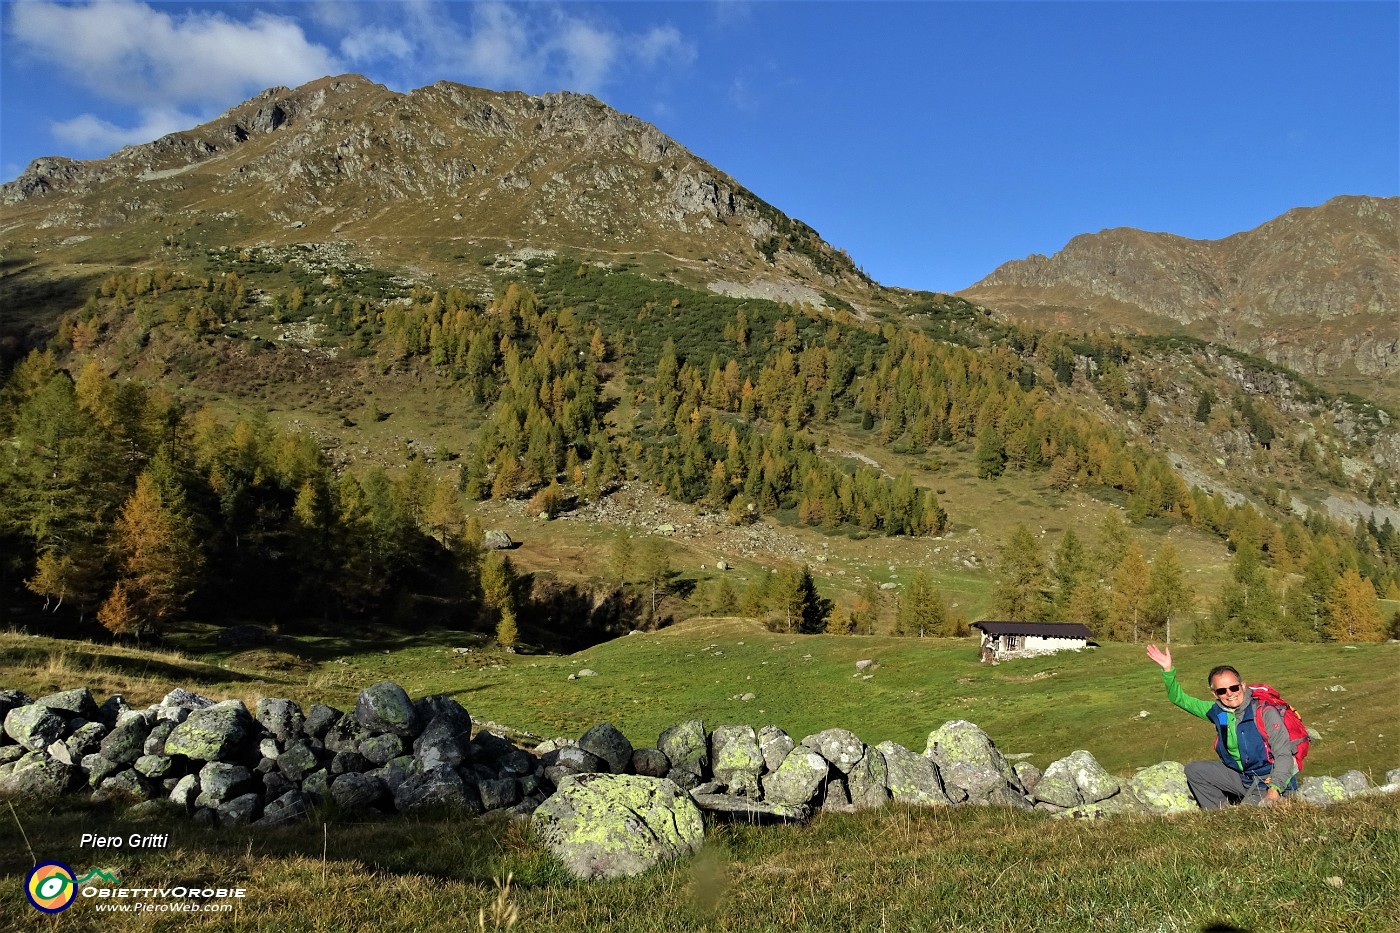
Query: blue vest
point(1253, 748)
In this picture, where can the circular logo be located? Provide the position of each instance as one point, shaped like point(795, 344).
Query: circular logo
point(50, 887)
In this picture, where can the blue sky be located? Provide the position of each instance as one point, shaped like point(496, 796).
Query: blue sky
point(932, 140)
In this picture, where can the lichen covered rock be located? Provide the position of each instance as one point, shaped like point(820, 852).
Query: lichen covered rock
point(618, 825)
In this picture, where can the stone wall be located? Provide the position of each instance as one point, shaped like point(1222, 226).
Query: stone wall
point(604, 806)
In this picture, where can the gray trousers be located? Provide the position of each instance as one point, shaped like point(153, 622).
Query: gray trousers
point(1215, 786)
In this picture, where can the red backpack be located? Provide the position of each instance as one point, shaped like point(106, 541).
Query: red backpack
point(1265, 695)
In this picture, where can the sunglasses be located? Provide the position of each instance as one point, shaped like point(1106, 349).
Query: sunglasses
point(1222, 691)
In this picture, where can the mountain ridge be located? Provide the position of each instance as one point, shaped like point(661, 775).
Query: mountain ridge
point(1316, 288)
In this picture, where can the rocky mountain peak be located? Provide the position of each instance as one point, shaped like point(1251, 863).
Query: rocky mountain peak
point(1317, 288)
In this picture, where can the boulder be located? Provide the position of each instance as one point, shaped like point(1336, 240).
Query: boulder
point(912, 778)
point(439, 787)
point(1393, 777)
point(968, 760)
point(275, 785)
point(111, 710)
point(71, 703)
point(499, 794)
point(320, 719)
point(155, 767)
point(282, 718)
point(518, 763)
point(496, 540)
point(353, 791)
point(213, 733)
point(443, 742)
point(618, 825)
point(686, 748)
point(775, 745)
point(650, 762)
point(868, 780)
point(85, 740)
point(287, 807)
point(1057, 788)
point(12, 699)
point(125, 785)
point(838, 746)
point(382, 748)
point(1355, 782)
point(179, 698)
point(1028, 774)
point(735, 759)
point(351, 762)
point(155, 741)
point(1162, 788)
point(35, 727)
point(395, 771)
point(385, 707)
point(220, 782)
point(1322, 790)
point(185, 791)
point(605, 741)
point(746, 809)
point(297, 761)
point(836, 797)
point(1092, 781)
point(240, 811)
point(38, 777)
point(99, 768)
point(126, 742)
point(798, 779)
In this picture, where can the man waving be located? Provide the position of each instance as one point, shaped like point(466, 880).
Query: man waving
point(1255, 765)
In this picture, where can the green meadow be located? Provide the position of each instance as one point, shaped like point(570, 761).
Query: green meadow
point(894, 869)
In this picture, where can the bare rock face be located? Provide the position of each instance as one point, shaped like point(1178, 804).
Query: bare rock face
point(1316, 289)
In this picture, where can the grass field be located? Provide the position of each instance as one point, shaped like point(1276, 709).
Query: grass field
point(894, 869)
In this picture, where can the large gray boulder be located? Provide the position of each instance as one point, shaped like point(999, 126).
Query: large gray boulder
point(775, 745)
point(1322, 791)
point(444, 742)
point(38, 777)
point(319, 720)
point(282, 718)
point(287, 807)
point(220, 782)
point(736, 760)
point(1091, 780)
point(385, 707)
point(838, 746)
point(35, 727)
point(798, 779)
point(651, 762)
point(297, 761)
point(746, 809)
point(618, 825)
point(440, 787)
point(126, 742)
point(605, 741)
point(12, 699)
point(686, 748)
point(969, 760)
point(496, 540)
point(868, 780)
point(912, 778)
point(213, 733)
point(353, 791)
point(1162, 788)
point(1355, 782)
point(71, 703)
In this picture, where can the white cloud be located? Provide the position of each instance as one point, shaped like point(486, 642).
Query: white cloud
point(375, 44)
point(89, 133)
point(588, 54)
point(134, 53)
point(498, 49)
point(663, 45)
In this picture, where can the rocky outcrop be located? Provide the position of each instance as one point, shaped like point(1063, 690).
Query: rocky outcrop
point(1314, 289)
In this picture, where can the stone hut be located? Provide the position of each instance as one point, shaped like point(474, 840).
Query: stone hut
point(1004, 640)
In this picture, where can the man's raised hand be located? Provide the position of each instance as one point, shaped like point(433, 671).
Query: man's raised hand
point(1163, 656)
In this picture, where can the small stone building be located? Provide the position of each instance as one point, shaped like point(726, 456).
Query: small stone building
point(1003, 640)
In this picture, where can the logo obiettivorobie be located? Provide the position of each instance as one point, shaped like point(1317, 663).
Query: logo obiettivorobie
point(51, 887)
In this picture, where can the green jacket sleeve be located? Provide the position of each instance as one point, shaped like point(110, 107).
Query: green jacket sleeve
point(1181, 699)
